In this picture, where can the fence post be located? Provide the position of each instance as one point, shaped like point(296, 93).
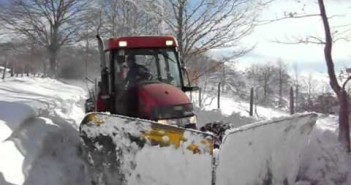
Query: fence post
point(292, 107)
point(5, 69)
point(200, 97)
point(251, 101)
point(219, 95)
point(22, 72)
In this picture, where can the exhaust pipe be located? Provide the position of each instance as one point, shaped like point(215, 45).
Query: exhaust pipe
point(104, 72)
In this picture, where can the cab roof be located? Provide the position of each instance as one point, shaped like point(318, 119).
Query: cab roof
point(141, 42)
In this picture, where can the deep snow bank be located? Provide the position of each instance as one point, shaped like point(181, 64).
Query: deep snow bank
point(10, 157)
point(324, 160)
point(38, 132)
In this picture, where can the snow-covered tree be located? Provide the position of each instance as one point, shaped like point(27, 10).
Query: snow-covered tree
point(206, 24)
point(128, 17)
point(51, 23)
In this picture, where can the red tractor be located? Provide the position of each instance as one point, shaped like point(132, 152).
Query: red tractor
point(137, 126)
point(143, 78)
point(140, 104)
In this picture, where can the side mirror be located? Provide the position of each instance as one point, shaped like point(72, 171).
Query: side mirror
point(186, 89)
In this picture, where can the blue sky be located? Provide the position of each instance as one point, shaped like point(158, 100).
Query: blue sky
point(308, 57)
point(4, 1)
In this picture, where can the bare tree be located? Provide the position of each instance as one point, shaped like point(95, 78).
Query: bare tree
point(310, 88)
point(330, 37)
point(262, 75)
point(128, 17)
point(49, 23)
point(4, 52)
point(308, 93)
point(270, 81)
point(282, 78)
point(296, 83)
point(206, 24)
point(344, 127)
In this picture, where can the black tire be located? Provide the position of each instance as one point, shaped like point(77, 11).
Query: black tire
point(218, 129)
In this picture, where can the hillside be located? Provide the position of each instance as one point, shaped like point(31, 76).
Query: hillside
point(311, 91)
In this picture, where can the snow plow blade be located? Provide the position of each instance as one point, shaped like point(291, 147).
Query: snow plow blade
point(124, 150)
point(264, 152)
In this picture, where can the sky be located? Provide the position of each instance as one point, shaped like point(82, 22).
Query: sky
point(307, 57)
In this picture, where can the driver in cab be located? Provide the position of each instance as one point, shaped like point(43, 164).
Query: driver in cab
point(136, 72)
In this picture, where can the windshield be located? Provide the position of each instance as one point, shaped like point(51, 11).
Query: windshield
point(161, 63)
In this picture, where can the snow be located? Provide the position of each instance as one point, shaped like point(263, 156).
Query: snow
point(324, 159)
point(39, 144)
point(9, 156)
point(249, 156)
point(232, 109)
point(150, 164)
point(38, 131)
point(177, 167)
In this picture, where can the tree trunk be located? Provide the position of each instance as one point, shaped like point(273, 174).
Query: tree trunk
point(280, 89)
point(52, 63)
point(292, 108)
point(5, 68)
point(251, 101)
point(180, 21)
point(344, 127)
point(223, 77)
point(297, 98)
point(219, 96)
point(344, 135)
point(328, 50)
point(12, 70)
point(265, 92)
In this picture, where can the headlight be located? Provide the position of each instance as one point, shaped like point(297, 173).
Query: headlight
point(187, 122)
point(122, 44)
point(169, 42)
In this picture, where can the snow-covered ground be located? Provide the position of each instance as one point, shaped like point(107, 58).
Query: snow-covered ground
point(39, 142)
point(38, 132)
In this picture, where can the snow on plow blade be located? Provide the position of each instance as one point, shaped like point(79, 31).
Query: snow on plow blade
point(123, 150)
point(264, 152)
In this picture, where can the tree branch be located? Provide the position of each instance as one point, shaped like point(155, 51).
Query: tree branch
point(328, 49)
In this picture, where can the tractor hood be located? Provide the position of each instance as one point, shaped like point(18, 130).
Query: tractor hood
point(163, 101)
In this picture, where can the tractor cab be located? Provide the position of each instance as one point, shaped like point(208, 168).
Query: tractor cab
point(133, 66)
point(143, 78)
